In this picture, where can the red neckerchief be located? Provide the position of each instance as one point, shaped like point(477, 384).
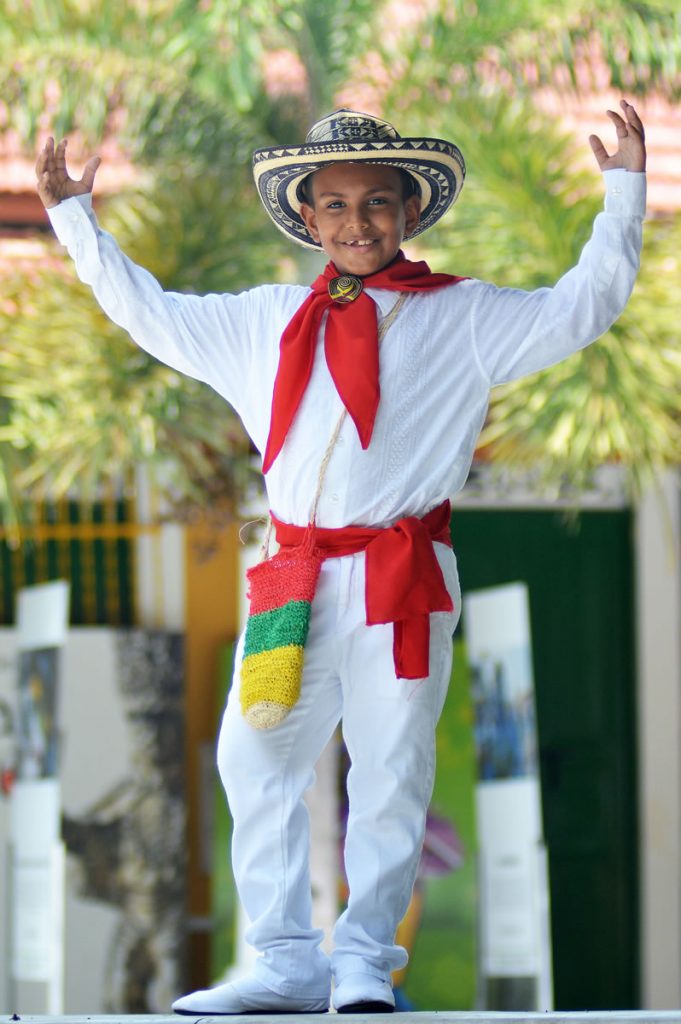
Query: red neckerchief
point(350, 346)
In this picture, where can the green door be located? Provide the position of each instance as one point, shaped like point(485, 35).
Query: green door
point(580, 579)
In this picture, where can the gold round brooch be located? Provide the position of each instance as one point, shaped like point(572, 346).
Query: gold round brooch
point(345, 288)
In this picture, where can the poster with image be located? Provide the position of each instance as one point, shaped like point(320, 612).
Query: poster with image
point(37, 737)
point(503, 702)
point(515, 947)
point(441, 925)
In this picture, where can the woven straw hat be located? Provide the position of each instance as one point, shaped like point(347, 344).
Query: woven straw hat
point(350, 136)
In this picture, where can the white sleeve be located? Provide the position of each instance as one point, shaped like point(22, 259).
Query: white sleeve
point(206, 337)
point(518, 332)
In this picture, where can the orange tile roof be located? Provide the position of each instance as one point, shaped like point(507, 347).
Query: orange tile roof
point(19, 204)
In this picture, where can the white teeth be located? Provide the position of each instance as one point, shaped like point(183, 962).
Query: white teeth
point(370, 242)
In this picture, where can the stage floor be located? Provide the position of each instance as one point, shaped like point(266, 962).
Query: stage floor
point(440, 1017)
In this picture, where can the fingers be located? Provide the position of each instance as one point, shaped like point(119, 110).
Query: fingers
point(45, 174)
point(630, 137)
point(632, 124)
point(44, 170)
point(60, 156)
point(619, 123)
point(89, 172)
point(45, 156)
point(51, 158)
point(632, 118)
point(599, 150)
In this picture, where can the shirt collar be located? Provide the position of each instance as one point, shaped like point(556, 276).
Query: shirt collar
point(384, 298)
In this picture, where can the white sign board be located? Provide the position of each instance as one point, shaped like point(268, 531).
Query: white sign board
point(514, 902)
point(42, 615)
point(37, 854)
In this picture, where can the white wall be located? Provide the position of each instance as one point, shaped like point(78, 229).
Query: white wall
point(93, 759)
point(102, 779)
point(658, 548)
point(160, 580)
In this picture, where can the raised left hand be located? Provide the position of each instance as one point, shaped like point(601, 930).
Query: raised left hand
point(54, 182)
point(631, 151)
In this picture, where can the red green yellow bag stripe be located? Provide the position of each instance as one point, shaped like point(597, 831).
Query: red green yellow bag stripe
point(281, 590)
point(281, 579)
point(259, 671)
point(279, 627)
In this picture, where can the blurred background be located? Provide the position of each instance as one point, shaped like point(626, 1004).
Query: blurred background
point(131, 482)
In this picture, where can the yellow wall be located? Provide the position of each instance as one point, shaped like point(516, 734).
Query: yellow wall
point(211, 621)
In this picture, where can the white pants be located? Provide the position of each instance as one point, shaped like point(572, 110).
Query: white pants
point(389, 730)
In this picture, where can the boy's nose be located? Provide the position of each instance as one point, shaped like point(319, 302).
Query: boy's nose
point(357, 218)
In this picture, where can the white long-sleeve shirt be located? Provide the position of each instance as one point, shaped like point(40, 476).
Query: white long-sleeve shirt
point(438, 361)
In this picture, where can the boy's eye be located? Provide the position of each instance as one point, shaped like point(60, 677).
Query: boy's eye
point(339, 204)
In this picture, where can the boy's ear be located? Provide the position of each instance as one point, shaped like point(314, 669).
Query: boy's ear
point(412, 211)
point(310, 220)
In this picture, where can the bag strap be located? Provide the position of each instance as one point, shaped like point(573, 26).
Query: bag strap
point(383, 328)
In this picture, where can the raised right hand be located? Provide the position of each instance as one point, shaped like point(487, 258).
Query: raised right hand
point(631, 141)
point(54, 183)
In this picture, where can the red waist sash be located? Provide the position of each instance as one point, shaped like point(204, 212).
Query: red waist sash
point(404, 582)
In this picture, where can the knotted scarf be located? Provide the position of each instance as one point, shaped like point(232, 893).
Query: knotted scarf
point(350, 347)
point(404, 582)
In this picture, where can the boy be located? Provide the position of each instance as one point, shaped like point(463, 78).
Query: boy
point(288, 358)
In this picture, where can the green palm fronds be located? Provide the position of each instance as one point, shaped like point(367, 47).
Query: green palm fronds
point(85, 407)
point(568, 45)
point(617, 401)
point(526, 211)
point(181, 87)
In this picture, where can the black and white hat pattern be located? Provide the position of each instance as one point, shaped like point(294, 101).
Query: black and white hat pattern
point(350, 136)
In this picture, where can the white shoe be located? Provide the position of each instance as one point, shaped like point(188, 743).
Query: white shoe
point(363, 993)
point(248, 995)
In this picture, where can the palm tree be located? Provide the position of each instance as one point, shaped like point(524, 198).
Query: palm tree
point(189, 115)
point(529, 191)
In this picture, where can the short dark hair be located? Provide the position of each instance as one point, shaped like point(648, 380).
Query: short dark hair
point(410, 186)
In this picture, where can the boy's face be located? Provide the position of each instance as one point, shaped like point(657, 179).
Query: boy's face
point(360, 215)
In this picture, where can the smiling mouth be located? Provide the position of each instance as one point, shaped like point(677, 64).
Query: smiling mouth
point(360, 244)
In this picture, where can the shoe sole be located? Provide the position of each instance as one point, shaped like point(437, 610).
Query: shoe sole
point(243, 1013)
point(366, 1006)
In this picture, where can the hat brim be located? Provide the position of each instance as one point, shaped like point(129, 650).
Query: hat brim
point(437, 166)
